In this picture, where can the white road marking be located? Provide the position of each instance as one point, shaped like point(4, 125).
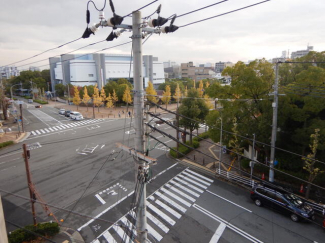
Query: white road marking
point(157, 222)
point(188, 184)
point(176, 197)
point(46, 130)
point(216, 236)
point(120, 232)
point(171, 202)
point(109, 237)
point(195, 178)
point(100, 199)
point(192, 181)
point(181, 193)
point(169, 209)
point(197, 174)
point(229, 201)
point(33, 133)
point(185, 189)
point(51, 129)
point(102, 146)
point(161, 214)
point(42, 131)
point(229, 225)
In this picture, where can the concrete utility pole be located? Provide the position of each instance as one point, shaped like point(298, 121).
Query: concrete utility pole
point(274, 123)
point(21, 117)
point(29, 182)
point(220, 154)
point(143, 168)
point(252, 157)
point(177, 130)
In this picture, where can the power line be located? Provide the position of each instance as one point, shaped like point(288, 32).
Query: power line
point(236, 134)
point(252, 5)
point(200, 9)
point(43, 52)
point(141, 8)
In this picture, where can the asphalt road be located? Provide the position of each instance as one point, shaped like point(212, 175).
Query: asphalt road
point(78, 168)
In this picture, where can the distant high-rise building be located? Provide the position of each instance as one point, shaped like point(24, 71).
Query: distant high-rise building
point(8, 72)
point(284, 54)
point(196, 73)
point(169, 64)
point(301, 53)
point(220, 66)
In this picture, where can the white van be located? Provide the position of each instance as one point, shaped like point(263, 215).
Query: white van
point(74, 115)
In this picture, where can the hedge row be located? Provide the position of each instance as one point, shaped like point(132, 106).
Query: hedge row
point(44, 229)
point(5, 144)
point(41, 102)
point(183, 150)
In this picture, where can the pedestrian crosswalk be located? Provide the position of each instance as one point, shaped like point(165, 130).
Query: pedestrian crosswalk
point(164, 207)
point(64, 126)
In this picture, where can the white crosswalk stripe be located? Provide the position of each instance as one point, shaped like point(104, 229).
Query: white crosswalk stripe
point(165, 207)
point(64, 126)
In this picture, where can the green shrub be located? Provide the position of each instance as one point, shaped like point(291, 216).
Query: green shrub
point(183, 150)
point(5, 144)
point(28, 97)
point(44, 229)
point(41, 102)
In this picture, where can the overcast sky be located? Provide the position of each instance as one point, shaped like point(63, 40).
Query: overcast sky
point(30, 27)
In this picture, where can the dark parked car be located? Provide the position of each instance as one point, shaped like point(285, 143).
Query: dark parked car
point(38, 106)
point(67, 113)
point(282, 201)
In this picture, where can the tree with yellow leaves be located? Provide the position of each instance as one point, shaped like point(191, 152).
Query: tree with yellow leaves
point(127, 98)
point(109, 103)
point(185, 91)
point(207, 84)
point(151, 93)
point(114, 97)
point(86, 97)
point(97, 100)
point(76, 98)
point(200, 89)
point(208, 101)
point(103, 94)
point(178, 94)
point(166, 95)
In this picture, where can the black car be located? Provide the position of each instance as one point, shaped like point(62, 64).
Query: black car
point(282, 201)
point(67, 113)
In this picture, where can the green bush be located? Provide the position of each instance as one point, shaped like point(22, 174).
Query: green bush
point(5, 144)
point(44, 229)
point(41, 102)
point(28, 97)
point(183, 149)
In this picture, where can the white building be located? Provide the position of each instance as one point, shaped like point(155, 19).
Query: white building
point(91, 69)
point(8, 72)
point(301, 53)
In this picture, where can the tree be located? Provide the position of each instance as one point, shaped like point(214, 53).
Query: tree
point(103, 95)
point(234, 144)
point(59, 88)
point(109, 103)
point(97, 100)
point(177, 94)
point(207, 101)
point(151, 93)
point(114, 97)
point(76, 98)
point(127, 98)
point(207, 84)
point(200, 88)
point(194, 109)
point(86, 98)
point(166, 95)
point(310, 161)
point(185, 92)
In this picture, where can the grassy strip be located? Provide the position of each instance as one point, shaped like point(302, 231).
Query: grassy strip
point(5, 144)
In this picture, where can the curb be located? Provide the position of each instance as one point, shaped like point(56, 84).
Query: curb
point(22, 137)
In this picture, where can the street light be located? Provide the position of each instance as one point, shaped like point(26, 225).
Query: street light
point(11, 89)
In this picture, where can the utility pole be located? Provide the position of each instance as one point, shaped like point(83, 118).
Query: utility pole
point(252, 157)
point(21, 117)
point(274, 123)
point(220, 154)
point(177, 130)
point(143, 168)
point(26, 156)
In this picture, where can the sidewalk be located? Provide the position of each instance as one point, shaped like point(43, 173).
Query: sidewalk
point(68, 235)
point(13, 135)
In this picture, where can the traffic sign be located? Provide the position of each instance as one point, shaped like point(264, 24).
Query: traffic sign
point(224, 149)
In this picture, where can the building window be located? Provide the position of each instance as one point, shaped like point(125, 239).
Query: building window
point(90, 75)
point(154, 74)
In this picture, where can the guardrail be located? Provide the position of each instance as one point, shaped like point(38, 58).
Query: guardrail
point(232, 176)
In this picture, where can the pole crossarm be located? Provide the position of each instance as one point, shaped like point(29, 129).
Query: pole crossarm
point(137, 154)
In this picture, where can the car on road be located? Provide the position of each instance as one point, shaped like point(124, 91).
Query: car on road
point(62, 111)
point(76, 116)
point(67, 113)
point(30, 101)
point(282, 201)
point(38, 106)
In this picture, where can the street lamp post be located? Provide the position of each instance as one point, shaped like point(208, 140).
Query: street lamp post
point(11, 89)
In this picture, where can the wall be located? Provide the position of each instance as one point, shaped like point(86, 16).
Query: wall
point(3, 231)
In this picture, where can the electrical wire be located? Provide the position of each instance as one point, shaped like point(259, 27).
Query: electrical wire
point(236, 134)
point(96, 6)
point(99, 170)
point(211, 5)
point(195, 22)
point(43, 52)
point(140, 8)
point(56, 207)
